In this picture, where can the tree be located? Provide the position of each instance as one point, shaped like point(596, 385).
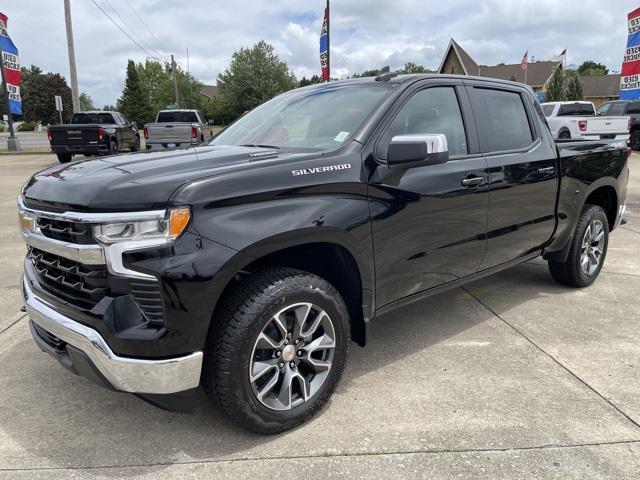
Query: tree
point(555, 90)
point(366, 73)
point(109, 108)
point(156, 81)
point(411, 67)
point(314, 79)
point(133, 103)
point(254, 76)
point(574, 87)
point(592, 68)
point(85, 102)
point(38, 90)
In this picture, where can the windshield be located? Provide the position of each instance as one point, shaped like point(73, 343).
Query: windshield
point(319, 119)
point(177, 117)
point(95, 118)
point(548, 110)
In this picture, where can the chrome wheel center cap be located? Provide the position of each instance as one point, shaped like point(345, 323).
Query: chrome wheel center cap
point(288, 353)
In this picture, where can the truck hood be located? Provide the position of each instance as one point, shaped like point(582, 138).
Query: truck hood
point(140, 181)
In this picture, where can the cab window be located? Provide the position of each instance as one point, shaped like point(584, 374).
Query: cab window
point(431, 111)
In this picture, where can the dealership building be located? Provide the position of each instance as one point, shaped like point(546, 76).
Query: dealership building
point(597, 89)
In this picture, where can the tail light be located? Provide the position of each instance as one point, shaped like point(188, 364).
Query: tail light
point(629, 151)
point(100, 133)
point(146, 133)
point(49, 134)
point(194, 133)
point(582, 125)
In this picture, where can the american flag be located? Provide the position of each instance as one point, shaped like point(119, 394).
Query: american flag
point(525, 60)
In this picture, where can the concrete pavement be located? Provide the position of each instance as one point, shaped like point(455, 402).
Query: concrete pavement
point(511, 377)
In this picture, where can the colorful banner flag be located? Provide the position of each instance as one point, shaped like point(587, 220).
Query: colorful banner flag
point(324, 46)
point(630, 78)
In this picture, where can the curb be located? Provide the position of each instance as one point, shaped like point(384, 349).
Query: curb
point(22, 152)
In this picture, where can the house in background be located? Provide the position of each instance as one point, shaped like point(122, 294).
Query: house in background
point(457, 61)
point(209, 92)
point(601, 88)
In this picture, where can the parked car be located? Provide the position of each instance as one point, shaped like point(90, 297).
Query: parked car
point(630, 109)
point(578, 121)
point(252, 263)
point(174, 128)
point(93, 133)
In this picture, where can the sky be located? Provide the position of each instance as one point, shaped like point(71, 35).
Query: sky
point(365, 34)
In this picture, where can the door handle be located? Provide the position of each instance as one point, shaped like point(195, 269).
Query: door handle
point(546, 170)
point(472, 181)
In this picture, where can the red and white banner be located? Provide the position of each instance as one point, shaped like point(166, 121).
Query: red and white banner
point(630, 78)
point(11, 66)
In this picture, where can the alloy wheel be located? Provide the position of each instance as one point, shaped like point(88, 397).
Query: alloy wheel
point(292, 356)
point(592, 247)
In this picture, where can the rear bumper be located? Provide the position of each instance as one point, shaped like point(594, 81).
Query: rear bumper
point(84, 351)
point(610, 136)
point(97, 148)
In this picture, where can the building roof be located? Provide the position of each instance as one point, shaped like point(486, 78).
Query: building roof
point(470, 67)
point(537, 72)
point(600, 86)
point(209, 91)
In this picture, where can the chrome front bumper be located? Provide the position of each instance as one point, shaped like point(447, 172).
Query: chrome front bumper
point(124, 374)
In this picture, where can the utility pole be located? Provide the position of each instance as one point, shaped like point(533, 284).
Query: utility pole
point(72, 58)
point(175, 80)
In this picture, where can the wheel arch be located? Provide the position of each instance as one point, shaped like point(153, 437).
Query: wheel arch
point(329, 259)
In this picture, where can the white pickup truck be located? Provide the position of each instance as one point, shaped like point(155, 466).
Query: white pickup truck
point(578, 120)
point(174, 128)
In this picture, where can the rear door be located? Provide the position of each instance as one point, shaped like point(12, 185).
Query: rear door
point(428, 221)
point(522, 165)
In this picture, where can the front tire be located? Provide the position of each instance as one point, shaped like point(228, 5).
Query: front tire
point(587, 252)
point(276, 350)
point(135, 146)
point(634, 140)
point(64, 157)
point(114, 148)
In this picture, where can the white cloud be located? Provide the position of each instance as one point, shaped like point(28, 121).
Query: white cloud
point(365, 33)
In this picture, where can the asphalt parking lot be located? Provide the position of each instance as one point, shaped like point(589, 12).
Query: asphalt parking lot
point(512, 377)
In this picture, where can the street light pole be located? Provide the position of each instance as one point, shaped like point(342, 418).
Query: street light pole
point(72, 57)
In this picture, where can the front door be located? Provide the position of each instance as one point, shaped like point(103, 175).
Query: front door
point(523, 176)
point(429, 222)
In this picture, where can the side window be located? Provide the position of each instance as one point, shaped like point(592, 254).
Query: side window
point(604, 109)
point(502, 119)
point(616, 109)
point(633, 108)
point(433, 110)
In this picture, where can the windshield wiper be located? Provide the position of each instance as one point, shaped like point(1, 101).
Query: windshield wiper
point(255, 145)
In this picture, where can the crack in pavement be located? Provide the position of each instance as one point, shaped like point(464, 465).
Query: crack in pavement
point(433, 451)
point(12, 324)
point(555, 360)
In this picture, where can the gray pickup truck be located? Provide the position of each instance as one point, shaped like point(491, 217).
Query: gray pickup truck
point(174, 128)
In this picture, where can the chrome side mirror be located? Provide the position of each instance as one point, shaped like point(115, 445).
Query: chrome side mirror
point(425, 149)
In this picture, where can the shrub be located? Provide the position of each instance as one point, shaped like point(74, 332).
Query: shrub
point(27, 127)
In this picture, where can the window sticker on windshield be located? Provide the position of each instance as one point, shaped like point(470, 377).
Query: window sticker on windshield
point(341, 137)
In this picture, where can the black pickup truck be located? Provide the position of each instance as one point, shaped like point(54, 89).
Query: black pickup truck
point(93, 133)
point(249, 265)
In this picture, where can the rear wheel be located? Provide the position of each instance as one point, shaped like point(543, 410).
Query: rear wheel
point(277, 349)
point(64, 157)
point(135, 146)
point(587, 252)
point(634, 140)
point(113, 147)
point(565, 135)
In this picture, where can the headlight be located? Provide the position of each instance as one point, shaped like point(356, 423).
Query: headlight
point(152, 231)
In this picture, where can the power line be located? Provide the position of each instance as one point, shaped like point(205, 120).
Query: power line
point(124, 31)
point(124, 22)
point(142, 21)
